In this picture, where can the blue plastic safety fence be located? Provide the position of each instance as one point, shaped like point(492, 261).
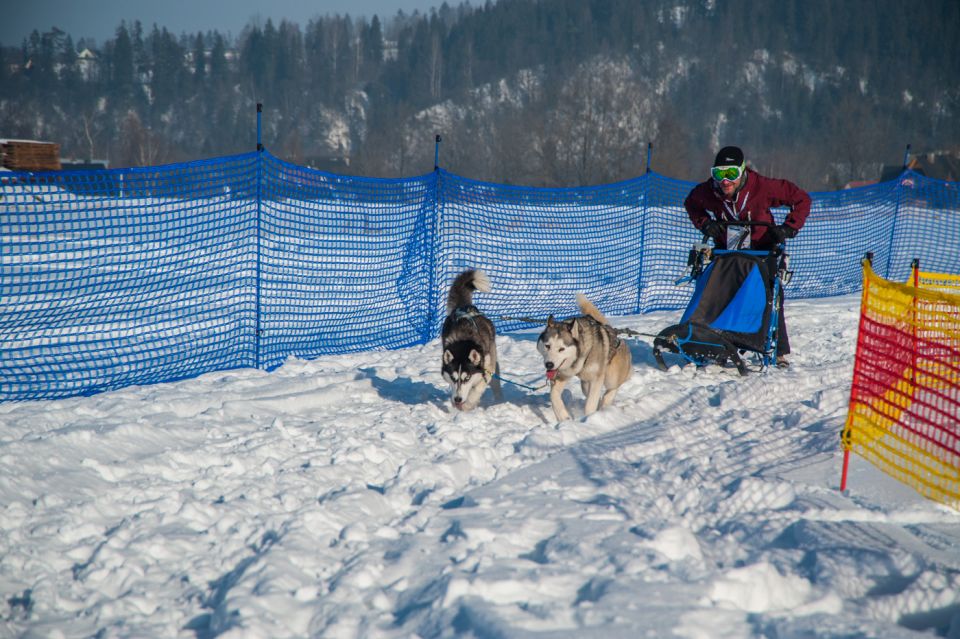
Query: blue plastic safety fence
point(345, 262)
point(135, 276)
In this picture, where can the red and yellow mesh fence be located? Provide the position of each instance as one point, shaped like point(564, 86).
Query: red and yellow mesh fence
point(904, 414)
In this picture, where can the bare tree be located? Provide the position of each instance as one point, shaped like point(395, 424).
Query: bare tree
point(602, 118)
point(139, 145)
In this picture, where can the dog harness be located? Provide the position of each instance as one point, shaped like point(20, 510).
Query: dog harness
point(466, 313)
point(613, 338)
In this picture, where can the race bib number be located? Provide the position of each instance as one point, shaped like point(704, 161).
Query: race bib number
point(738, 237)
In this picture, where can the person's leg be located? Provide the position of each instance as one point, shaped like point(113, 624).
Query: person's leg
point(783, 342)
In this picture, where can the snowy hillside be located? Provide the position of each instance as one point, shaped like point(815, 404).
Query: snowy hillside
point(342, 497)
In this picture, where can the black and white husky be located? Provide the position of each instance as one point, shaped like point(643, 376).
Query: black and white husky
point(469, 344)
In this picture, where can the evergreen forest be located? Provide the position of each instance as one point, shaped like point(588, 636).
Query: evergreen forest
point(532, 92)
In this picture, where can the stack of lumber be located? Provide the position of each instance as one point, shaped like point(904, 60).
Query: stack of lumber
point(30, 155)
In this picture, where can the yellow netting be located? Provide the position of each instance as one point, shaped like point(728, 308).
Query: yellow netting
point(904, 414)
point(941, 281)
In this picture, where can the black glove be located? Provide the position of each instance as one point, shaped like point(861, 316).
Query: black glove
point(712, 229)
point(782, 232)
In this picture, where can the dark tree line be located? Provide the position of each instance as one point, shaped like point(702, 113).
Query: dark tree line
point(541, 92)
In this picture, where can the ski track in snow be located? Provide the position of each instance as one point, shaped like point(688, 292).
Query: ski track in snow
point(342, 497)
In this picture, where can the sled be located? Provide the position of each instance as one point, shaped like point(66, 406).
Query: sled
point(733, 313)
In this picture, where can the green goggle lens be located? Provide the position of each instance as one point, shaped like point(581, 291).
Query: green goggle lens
point(731, 173)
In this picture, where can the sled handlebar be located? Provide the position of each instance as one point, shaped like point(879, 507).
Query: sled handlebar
point(742, 223)
point(749, 223)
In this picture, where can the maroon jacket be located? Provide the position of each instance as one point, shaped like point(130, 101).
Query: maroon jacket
point(753, 203)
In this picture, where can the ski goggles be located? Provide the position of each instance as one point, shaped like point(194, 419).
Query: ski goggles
point(731, 173)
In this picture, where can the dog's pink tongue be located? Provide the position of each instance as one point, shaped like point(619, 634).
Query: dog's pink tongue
point(551, 373)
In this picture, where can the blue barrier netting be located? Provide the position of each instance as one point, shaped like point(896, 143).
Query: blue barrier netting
point(135, 276)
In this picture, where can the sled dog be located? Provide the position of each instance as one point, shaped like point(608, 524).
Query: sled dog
point(469, 344)
point(586, 347)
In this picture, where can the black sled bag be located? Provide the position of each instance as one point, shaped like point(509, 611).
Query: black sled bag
point(729, 311)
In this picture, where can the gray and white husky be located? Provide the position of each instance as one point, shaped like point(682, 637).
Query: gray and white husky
point(586, 347)
point(469, 344)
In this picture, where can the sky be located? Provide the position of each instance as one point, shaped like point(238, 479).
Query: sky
point(343, 497)
point(99, 19)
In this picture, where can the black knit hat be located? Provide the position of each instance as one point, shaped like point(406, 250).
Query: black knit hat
point(729, 156)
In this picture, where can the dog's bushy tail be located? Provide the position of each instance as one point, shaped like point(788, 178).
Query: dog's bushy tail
point(587, 308)
point(461, 291)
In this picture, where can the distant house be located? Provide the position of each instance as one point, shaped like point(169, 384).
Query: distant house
point(71, 164)
point(36, 155)
point(942, 165)
point(230, 56)
point(30, 155)
point(391, 50)
point(88, 64)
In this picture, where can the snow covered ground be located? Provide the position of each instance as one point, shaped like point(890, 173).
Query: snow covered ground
point(342, 497)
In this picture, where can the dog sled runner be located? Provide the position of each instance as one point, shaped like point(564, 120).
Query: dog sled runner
point(733, 313)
